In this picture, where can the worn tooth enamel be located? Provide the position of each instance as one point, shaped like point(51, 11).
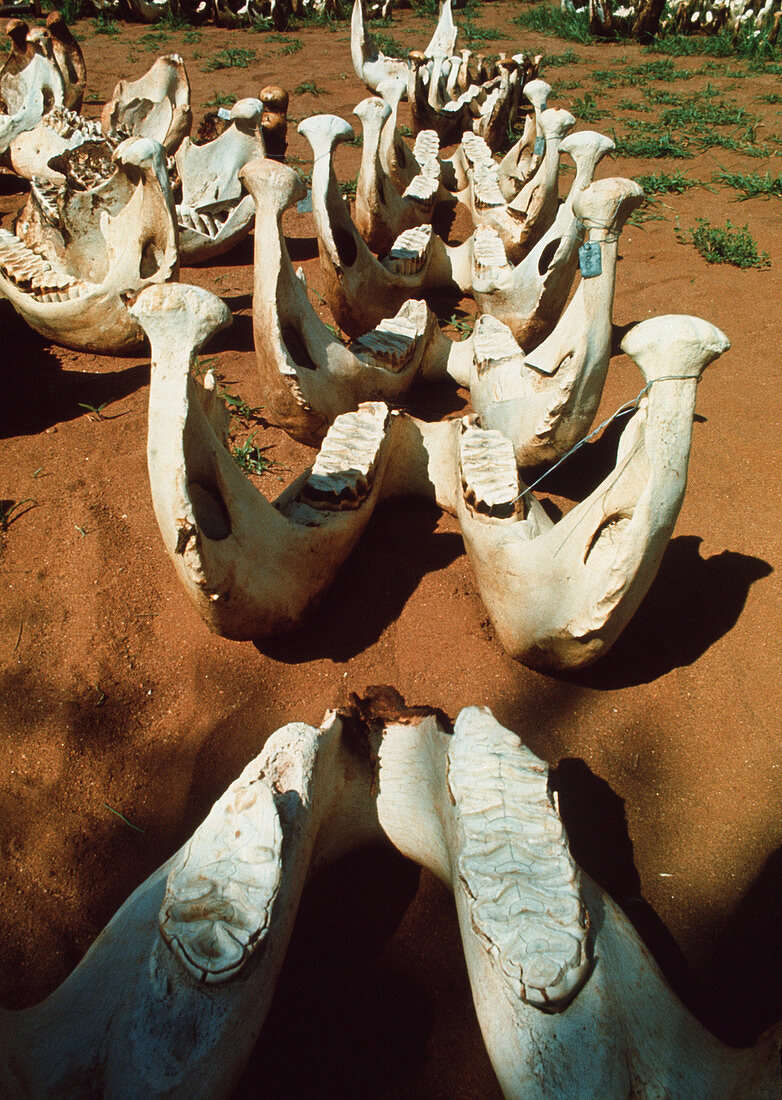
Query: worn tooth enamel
point(493, 346)
point(542, 951)
point(409, 251)
point(422, 190)
point(486, 186)
point(489, 258)
point(343, 471)
point(391, 343)
point(222, 886)
point(475, 149)
point(427, 146)
point(490, 481)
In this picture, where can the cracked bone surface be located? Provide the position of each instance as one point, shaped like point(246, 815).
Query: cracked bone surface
point(157, 105)
point(522, 221)
point(58, 131)
point(172, 996)
point(69, 58)
point(215, 212)
point(216, 526)
point(360, 290)
point(159, 1015)
point(559, 594)
point(529, 298)
point(545, 400)
point(308, 375)
point(89, 246)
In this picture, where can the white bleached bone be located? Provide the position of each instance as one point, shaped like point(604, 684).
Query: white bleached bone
point(529, 298)
point(361, 291)
point(308, 375)
point(370, 64)
point(157, 105)
point(560, 594)
point(27, 96)
point(523, 221)
point(59, 130)
point(216, 212)
point(69, 59)
point(568, 998)
point(69, 279)
point(175, 992)
point(216, 525)
point(545, 400)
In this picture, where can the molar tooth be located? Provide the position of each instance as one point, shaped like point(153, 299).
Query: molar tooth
point(409, 251)
point(221, 888)
point(422, 190)
point(392, 342)
point(493, 344)
point(490, 261)
point(427, 144)
point(343, 472)
point(490, 480)
point(523, 895)
point(475, 149)
point(486, 187)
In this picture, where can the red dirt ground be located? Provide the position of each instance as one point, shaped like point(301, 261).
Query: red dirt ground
point(665, 753)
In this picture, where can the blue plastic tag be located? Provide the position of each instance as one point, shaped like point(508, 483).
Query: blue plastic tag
point(540, 146)
point(304, 206)
point(590, 260)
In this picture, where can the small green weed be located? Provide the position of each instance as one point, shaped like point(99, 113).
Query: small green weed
point(666, 183)
point(96, 411)
point(633, 105)
point(557, 60)
point(651, 146)
point(660, 95)
point(724, 44)
point(572, 26)
point(105, 25)
point(751, 184)
point(560, 86)
point(233, 57)
point(772, 97)
point(390, 46)
point(12, 510)
point(253, 459)
point(732, 245)
point(221, 99)
point(348, 188)
point(405, 131)
point(290, 45)
point(587, 109)
point(309, 87)
point(480, 34)
point(153, 41)
point(426, 8)
point(192, 38)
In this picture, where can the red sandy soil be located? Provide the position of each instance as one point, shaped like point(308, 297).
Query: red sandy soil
point(115, 695)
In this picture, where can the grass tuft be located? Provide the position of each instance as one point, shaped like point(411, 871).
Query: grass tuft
point(233, 57)
point(666, 183)
point(751, 184)
point(732, 245)
point(572, 26)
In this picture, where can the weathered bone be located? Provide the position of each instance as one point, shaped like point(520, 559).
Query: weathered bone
point(529, 298)
point(359, 289)
point(370, 65)
point(215, 212)
point(568, 998)
point(216, 526)
point(545, 401)
point(70, 60)
point(309, 377)
point(157, 105)
point(58, 131)
point(523, 221)
point(68, 279)
point(560, 594)
point(275, 120)
point(27, 95)
point(381, 212)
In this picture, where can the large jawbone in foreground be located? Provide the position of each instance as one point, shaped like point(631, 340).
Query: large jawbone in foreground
point(568, 999)
point(70, 280)
point(558, 594)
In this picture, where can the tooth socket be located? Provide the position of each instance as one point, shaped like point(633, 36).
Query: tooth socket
point(490, 480)
point(343, 472)
point(409, 251)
